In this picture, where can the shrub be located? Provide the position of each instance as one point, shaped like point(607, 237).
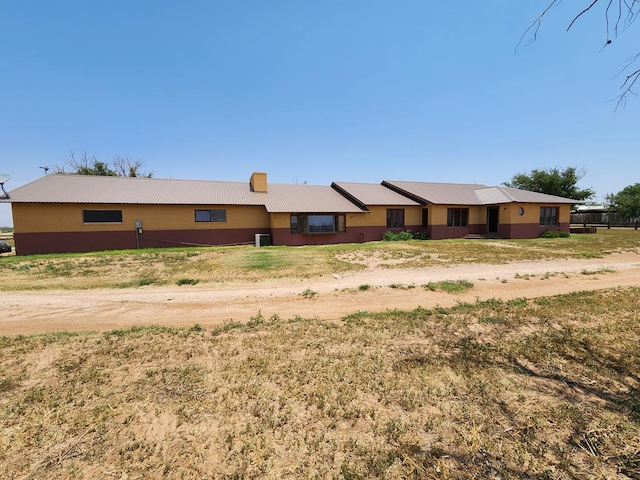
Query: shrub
point(554, 234)
point(390, 236)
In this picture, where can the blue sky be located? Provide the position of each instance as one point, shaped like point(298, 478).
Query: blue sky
point(315, 91)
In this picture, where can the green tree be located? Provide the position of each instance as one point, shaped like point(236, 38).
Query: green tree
point(553, 181)
point(627, 201)
point(90, 165)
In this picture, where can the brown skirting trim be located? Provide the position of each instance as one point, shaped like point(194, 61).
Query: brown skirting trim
point(67, 242)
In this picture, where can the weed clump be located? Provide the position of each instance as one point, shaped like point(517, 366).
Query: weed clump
point(554, 234)
point(449, 286)
point(309, 293)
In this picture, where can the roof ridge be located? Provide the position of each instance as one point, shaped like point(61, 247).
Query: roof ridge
point(502, 190)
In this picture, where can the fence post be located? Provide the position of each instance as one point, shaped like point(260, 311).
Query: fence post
point(636, 226)
point(608, 224)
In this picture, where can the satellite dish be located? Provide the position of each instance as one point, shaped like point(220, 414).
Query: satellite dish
point(3, 178)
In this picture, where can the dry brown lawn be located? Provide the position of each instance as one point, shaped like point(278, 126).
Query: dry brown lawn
point(220, 265)
point(340, 376)
point(495, 389)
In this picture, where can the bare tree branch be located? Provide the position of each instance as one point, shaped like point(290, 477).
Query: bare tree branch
point(581, 13)
point(629, 82)
point(536, 24)
point(90, 165)
point(617, 20)
point(632, 9)
point(129, 167)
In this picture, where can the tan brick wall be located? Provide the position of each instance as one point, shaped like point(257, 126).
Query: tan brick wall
point(29, 218)
point(478, 214)
point(280, 220)
point(531, 213)
point(376, 217)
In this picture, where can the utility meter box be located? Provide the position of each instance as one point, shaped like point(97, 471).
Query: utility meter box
point(138, 223)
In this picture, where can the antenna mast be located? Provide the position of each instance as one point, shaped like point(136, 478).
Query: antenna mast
point(3, 178)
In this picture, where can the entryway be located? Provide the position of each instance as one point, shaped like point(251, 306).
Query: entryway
point(493, 217)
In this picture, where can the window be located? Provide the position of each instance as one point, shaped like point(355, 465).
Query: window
point(457, 217)
point(211, 215)
point(549, 216)
point(395, 218)
point(102, 216)
point(326, 223)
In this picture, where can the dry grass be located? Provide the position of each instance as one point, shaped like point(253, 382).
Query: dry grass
point(519, 389)
point(223, 264)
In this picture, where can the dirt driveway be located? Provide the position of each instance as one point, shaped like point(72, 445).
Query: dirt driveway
point(327, 297)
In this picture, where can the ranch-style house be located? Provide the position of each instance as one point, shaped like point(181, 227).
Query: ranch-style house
point(74, 213)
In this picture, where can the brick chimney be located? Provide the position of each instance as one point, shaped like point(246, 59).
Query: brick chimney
point(258, 182)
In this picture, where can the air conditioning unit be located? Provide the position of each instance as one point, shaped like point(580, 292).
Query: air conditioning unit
point(263, 239)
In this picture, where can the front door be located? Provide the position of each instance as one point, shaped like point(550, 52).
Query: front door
point(493, 215)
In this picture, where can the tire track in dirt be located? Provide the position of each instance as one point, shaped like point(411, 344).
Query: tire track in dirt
point(329, 297)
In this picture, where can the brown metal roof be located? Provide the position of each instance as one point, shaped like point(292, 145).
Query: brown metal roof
point(438, 193)
point(525, 196)
point(284, 198)
point(127, 190)
point(373, 194)
point(470, 194)
point(280, 198)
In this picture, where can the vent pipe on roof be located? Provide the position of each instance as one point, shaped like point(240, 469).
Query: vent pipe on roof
point(258, 182)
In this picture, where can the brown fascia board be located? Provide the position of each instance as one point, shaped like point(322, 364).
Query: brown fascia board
point(349, 197)
point(404, 193)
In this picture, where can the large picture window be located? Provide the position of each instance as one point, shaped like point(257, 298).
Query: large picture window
point(549, 216)
point(211, 215)
point(457, 217)
point(321, 223)
point(102, 216)
point(395, 218)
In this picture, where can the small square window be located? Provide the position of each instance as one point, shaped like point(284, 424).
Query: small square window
point(395, 218)
point(549, 216)
point(211, 215)
point(458, 217)
point(102, 216)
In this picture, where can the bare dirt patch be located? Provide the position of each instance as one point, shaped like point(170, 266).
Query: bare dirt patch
point(333, 295)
